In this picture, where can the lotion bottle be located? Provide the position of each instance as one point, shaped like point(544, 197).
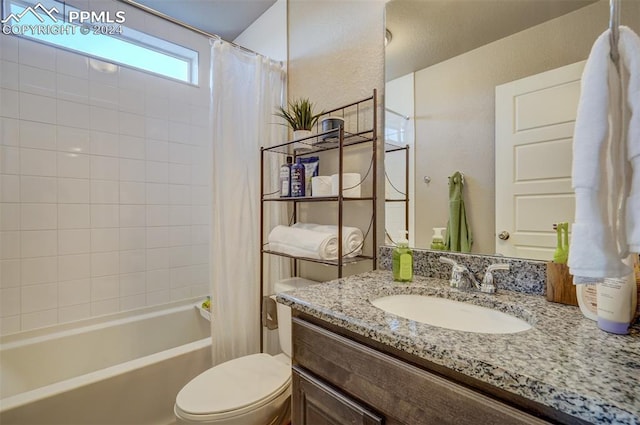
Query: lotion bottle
point(285, 178)
point(402, 260)
point(588, 300)
point(617, 298)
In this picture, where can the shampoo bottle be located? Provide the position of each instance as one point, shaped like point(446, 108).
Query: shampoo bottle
point(285, 178)
point(297, 178)
point(402, 260)
point(437, 241)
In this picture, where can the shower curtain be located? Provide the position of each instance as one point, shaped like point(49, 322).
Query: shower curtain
point(245, 90)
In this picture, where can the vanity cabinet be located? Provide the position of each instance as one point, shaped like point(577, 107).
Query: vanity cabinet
point(316, 403)
point(337, 380)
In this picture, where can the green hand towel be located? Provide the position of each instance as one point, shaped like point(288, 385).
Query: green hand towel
point(458, 237)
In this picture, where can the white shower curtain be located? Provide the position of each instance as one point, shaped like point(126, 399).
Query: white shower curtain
point(245, 90)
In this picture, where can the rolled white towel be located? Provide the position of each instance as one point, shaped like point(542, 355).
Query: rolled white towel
point(302, 242)
point(352, 237)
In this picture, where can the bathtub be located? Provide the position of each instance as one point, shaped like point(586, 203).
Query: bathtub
point(119, 369)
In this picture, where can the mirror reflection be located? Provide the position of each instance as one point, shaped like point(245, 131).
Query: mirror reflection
point(487, 88)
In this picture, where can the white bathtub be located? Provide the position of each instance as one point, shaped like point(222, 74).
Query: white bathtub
point(121, 369)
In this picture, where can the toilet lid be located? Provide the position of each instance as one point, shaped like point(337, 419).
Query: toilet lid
point(234, 385)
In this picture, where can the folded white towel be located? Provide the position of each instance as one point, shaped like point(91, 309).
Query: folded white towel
point(304, 243)
point(352, 237)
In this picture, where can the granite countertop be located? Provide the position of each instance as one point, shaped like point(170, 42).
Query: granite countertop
point(564, 362)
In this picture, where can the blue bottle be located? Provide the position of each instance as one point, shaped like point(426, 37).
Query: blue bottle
point(297, 178)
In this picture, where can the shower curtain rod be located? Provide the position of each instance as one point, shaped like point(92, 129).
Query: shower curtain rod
point(189, 27)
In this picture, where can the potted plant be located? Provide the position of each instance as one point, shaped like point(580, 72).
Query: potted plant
point(300, 116)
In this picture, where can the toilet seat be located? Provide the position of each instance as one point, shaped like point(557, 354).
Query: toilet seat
point(233, 388)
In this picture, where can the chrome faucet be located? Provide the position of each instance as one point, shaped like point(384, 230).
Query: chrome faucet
point(463, 278)
point(487, 282)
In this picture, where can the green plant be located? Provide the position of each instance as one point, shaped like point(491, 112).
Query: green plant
point(299, 114)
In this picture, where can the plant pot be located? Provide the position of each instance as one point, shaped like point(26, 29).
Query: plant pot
point(302, 146)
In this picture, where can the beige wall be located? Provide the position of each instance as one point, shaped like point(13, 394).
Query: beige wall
point(267, 35)
point(336, 56)
point(455, 112)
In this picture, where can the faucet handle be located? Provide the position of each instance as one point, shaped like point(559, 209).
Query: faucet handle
point(457, 272)
point(487, 282)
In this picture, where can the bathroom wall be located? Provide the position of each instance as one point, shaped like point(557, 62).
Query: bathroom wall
point(470, 80)
point(104, 182)
point(336, 56)
point(267, 35)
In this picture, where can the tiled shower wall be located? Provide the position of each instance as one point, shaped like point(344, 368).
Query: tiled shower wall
point(104, 183)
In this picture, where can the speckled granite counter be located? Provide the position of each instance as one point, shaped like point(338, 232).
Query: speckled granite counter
point(564, 362)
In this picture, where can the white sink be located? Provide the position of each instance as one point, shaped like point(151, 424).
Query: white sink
point(450, 314)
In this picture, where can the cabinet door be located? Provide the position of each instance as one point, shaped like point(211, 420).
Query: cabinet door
point(316, 403)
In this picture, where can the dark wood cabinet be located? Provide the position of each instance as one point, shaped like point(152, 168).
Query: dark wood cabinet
point(316, 403)
point(337, 380)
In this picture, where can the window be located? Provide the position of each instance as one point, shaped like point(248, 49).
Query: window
point(99, 34)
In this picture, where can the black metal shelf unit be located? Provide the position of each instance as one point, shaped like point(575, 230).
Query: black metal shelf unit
point(404, 196)
point(316, 144)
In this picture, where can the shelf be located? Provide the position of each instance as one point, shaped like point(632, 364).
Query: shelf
point(345, 260)
point(395, 200)
point(390, 147)
point(315, 145)
point(315, 199)
point(358, 115)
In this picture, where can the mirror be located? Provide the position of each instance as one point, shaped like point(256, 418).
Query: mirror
point(444, 59)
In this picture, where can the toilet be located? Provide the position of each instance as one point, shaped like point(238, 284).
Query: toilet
point(249, 390)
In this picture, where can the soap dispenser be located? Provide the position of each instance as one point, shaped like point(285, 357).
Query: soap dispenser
point(402, 260)
point(437, 241)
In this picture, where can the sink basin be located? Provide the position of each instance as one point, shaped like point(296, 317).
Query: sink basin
point(450, 314)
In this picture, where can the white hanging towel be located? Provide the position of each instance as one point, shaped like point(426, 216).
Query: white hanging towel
point(304, 243)
point(606, 162)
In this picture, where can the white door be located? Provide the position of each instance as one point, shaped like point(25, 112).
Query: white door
point(535, 118)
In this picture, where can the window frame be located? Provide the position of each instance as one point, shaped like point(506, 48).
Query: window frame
point(129, 35)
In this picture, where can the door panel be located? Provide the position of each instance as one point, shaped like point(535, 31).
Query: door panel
point(532, 109)
point(535, 118)
point(529, 157)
